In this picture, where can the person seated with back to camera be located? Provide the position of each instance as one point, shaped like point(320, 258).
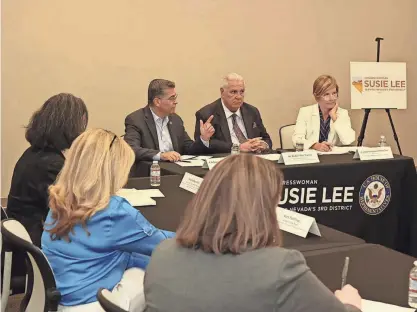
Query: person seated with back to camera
point(228, 254)
point(325, 124)
point(94, 238)
point(51, 131)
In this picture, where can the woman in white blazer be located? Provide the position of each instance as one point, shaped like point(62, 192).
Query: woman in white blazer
point(324, 124)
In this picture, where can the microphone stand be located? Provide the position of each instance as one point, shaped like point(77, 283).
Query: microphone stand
point(368, 110)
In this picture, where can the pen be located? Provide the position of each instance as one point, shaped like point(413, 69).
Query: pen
point(345, 271)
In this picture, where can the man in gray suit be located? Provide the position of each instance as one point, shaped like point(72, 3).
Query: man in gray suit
point(155, 132)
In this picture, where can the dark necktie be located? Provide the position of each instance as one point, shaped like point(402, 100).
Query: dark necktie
point(239, 134)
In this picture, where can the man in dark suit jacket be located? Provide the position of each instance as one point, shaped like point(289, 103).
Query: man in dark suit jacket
point(155, 132)
point(234, 122)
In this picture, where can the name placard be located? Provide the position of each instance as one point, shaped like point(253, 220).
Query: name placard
point(191, 182)
point(296, 223)
point(210, 163)
point(373, 153)
point(299, 158)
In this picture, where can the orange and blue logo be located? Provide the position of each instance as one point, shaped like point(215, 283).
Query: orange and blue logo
point(358, 83)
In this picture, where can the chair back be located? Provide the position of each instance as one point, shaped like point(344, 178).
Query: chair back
point(108, 301)
point(285, 136)
point(43, 294)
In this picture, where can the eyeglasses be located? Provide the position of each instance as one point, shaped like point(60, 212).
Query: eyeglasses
point(333, 95)
point(172, 98)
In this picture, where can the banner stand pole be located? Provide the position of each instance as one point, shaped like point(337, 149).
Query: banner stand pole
point(368, 110)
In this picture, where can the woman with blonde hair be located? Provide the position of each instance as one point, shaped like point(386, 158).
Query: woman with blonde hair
point(227, 255)
point(92, 236)
point(322, 125)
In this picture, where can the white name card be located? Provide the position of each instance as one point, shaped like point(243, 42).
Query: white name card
point(191, 163)
point(296, 223)
point(373, 153)
point(271, 157)
point(210, 163)
point(191, 182)
point(299, 158)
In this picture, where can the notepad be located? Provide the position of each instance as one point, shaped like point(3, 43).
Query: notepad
point(338, 150)
point(191, 163)
point(139, 198)
point(375, 306)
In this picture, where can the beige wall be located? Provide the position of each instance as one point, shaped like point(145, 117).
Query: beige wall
point(107, 51)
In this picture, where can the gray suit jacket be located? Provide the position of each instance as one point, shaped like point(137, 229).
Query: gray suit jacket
point(268, 279)
point(141, 135)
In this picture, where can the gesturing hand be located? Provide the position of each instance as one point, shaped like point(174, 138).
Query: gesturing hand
point(206, 129)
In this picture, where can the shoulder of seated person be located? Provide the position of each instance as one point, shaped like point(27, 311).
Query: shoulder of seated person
point(249, 106)
point(308, 107)
point(119, 203)
point(175, 116)
point(138, 112)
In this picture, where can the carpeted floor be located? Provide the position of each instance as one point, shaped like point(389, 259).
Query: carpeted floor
point(14, 303)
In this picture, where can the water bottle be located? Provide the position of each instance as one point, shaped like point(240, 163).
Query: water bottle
point(382, 141)
point(299, 146)
point(235, 149)
point(155, 174)
point(412, 290)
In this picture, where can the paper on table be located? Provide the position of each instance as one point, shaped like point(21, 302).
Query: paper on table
point(139, 198)
point(203, 157)
point(185, 157)
point(338, 150)
point(145, 192)
point(374, 306)
point(191, 163)
point(154, 193)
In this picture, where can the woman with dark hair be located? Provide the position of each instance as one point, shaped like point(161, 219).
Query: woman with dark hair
point(51, 130)
point(227, 255)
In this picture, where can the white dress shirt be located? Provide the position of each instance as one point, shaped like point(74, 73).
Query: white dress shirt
point(239, 121)
point(164, 138)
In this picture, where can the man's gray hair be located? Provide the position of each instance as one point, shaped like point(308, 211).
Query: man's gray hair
point(231, 77)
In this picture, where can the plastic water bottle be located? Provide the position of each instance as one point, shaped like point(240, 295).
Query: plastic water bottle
point(412, 290)
point(299, 146)
point(382, 141)
point(235, 149)
point(155, 174)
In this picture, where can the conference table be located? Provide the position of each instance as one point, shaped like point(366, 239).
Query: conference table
point(379, 273)
point(169, 210)
point(374, 200)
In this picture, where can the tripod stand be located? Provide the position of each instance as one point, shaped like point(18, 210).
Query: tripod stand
point(368, 110)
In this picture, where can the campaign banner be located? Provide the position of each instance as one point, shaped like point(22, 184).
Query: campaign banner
point(378, 85)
